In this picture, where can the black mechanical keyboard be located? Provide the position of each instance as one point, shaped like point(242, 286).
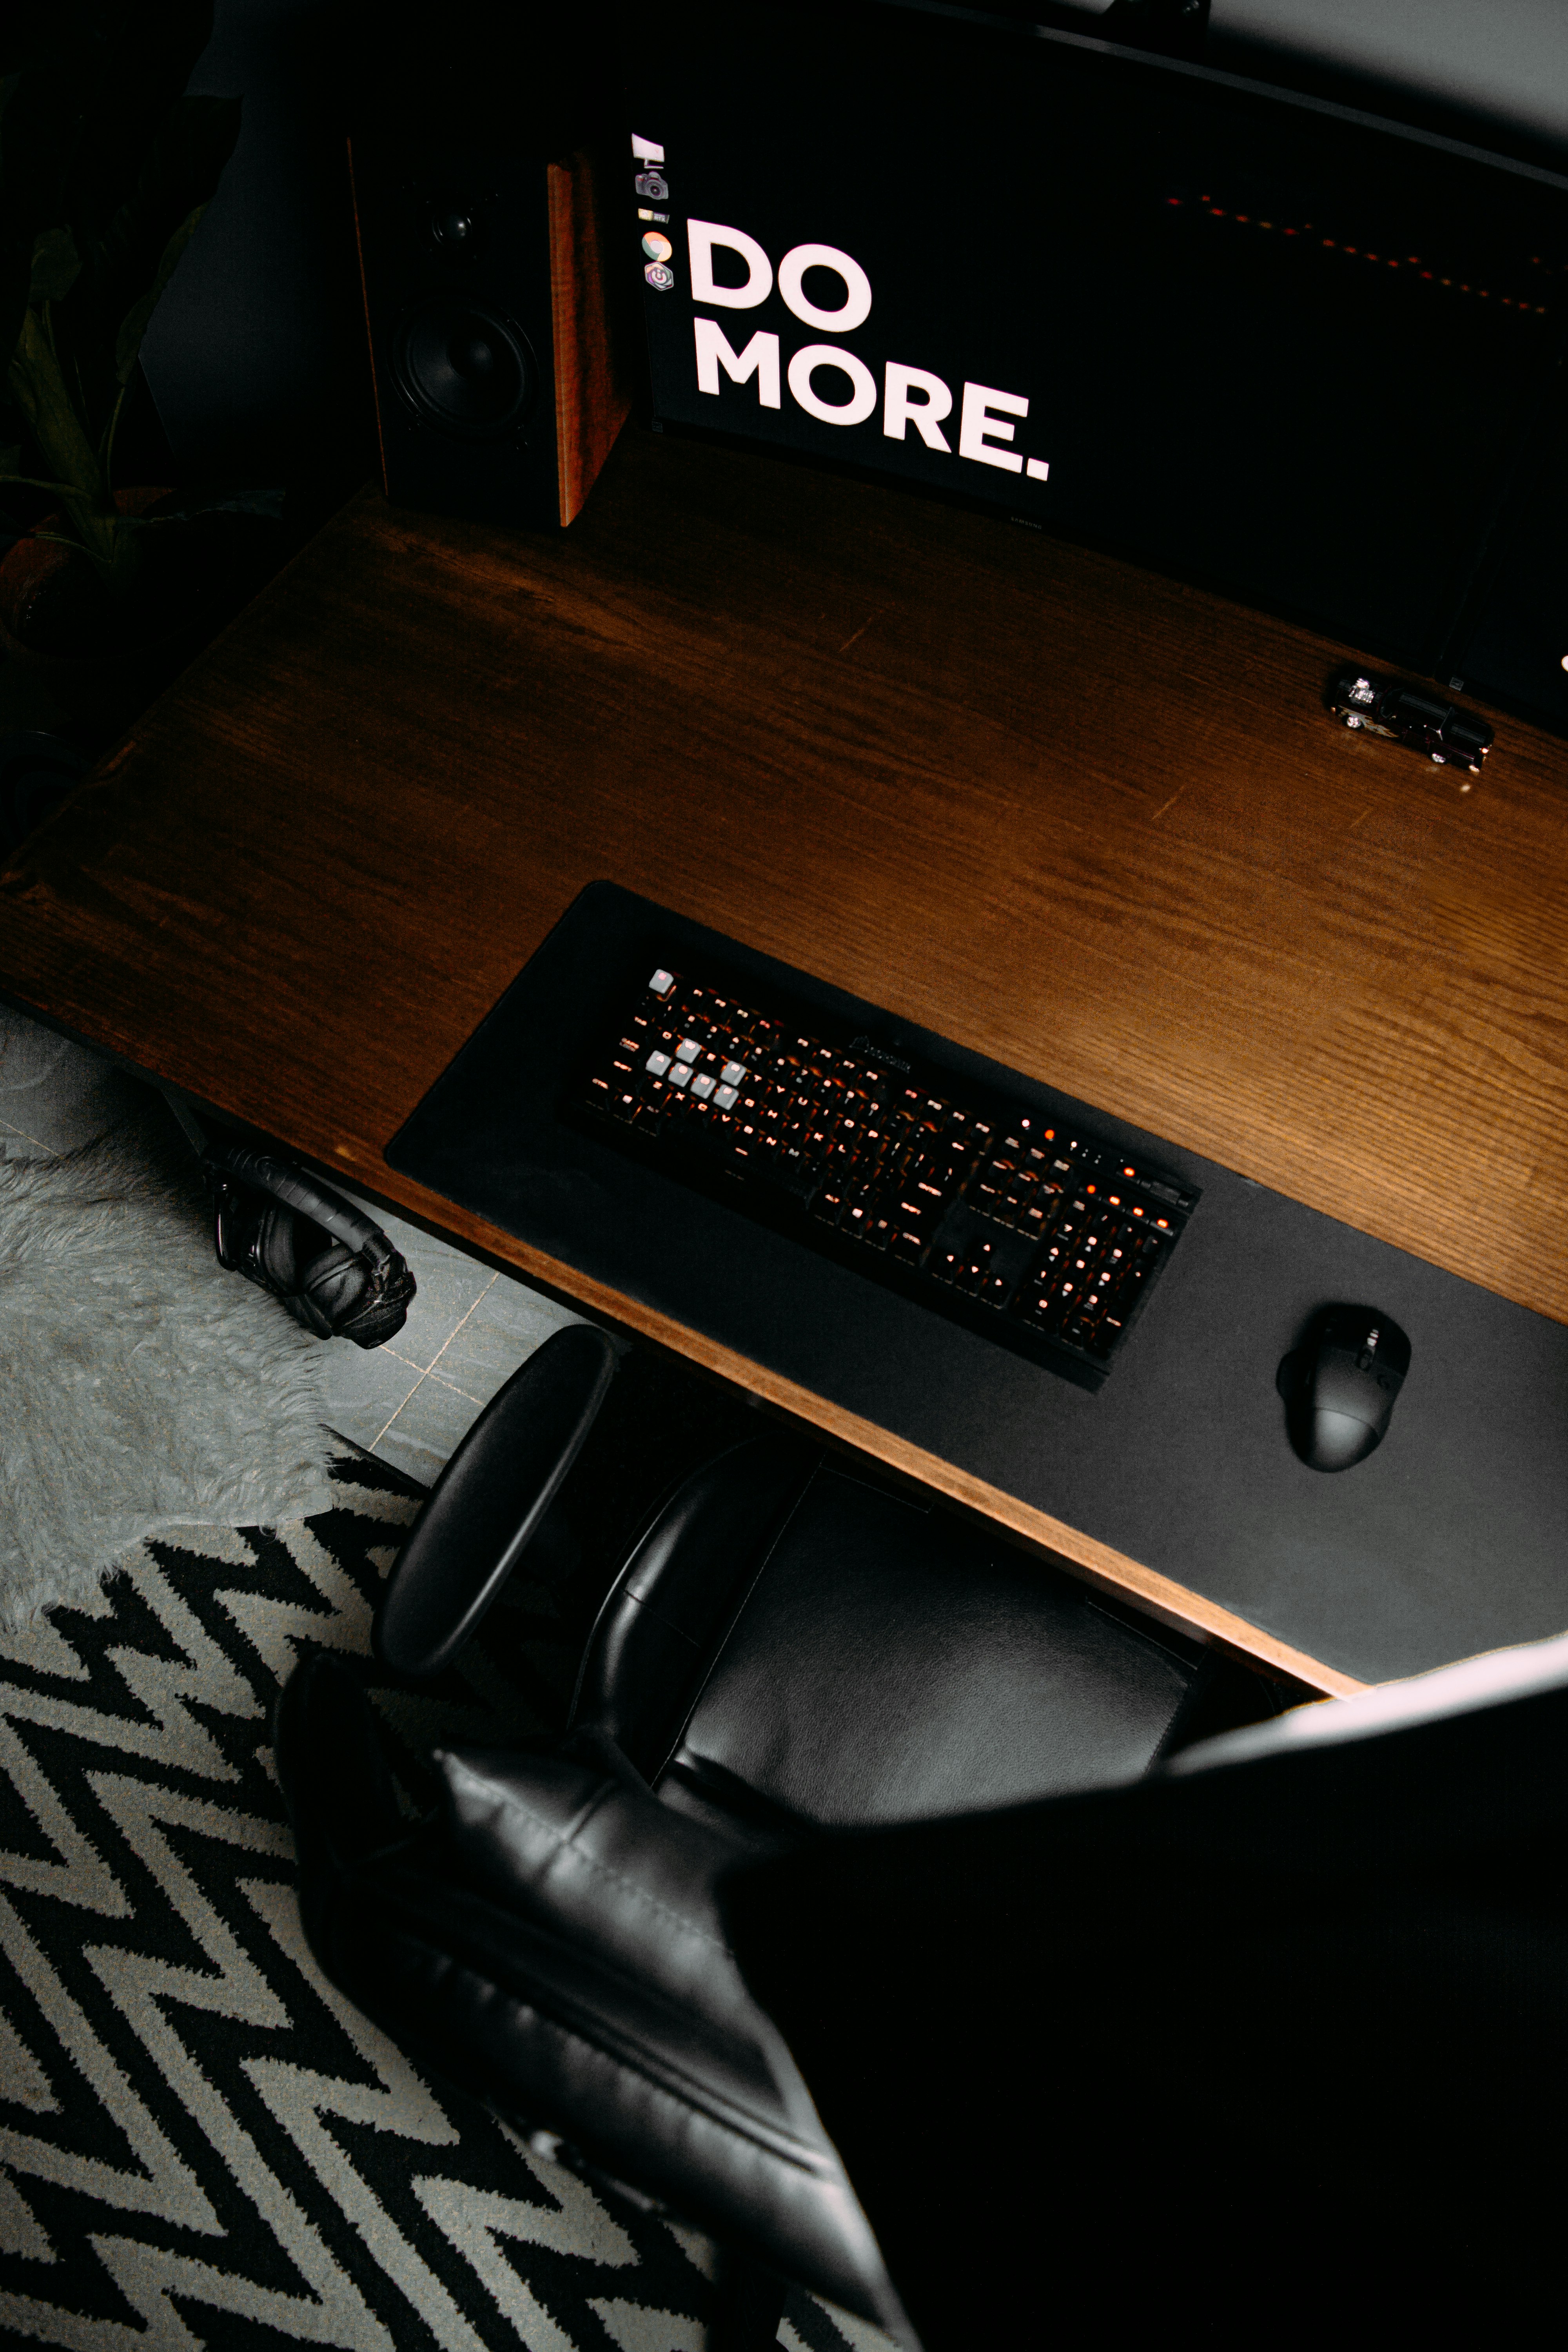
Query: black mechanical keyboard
point(1038, 1235)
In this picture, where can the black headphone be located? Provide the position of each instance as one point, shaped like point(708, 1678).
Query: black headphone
point(335, 1272)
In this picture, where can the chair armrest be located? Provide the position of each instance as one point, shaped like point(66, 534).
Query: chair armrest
point(552, 1943)
point(486, 1505)
point(631, 1887)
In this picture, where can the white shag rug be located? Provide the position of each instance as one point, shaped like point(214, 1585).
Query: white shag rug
point(142, 1387)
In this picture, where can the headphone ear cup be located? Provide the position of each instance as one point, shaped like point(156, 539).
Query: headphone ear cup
point(334, 1284)
point(288, 1251)
point(274, 1250)
point(383, 1308)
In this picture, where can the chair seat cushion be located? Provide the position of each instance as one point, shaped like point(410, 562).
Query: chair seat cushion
point(889, 1665)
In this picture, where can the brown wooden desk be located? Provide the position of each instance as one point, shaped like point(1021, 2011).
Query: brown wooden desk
point(1082, 820)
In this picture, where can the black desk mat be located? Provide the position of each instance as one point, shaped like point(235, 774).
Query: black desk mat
point(1452, 1538)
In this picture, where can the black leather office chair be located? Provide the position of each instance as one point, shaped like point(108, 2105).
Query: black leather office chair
point(788, 1652)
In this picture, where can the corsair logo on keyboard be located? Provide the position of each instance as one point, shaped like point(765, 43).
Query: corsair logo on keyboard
point(877, 1053)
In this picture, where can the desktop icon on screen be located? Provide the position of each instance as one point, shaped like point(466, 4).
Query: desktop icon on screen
point(650, 181)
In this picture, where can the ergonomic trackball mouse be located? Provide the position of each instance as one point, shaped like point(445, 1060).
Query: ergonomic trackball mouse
point(1347, 1376)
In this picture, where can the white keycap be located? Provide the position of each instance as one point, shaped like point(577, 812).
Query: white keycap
point(688, 1050)
point(726, 1098)
point(662, 983)
point(733, 1073)
point(658, 1064)
point(680, 1075)
point(702, 1085)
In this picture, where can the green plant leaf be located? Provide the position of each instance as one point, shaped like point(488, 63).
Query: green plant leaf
point(57, 266)
point(133, 326)
point(39, 390)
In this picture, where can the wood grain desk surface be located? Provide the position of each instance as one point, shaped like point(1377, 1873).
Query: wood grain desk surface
point(1074, 816)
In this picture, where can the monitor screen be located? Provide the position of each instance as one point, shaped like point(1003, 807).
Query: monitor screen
point(1254, 339)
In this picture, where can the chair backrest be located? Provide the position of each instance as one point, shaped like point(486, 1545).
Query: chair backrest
point(1287, 2017)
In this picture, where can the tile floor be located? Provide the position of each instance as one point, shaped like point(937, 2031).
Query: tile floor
point(468, 1330)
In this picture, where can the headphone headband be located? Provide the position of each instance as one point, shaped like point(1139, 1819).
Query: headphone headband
point(297, 1192)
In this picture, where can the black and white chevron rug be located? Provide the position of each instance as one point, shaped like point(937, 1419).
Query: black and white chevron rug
point(201, 2142)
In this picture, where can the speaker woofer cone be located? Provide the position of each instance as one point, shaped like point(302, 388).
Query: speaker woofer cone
point(464, 367)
